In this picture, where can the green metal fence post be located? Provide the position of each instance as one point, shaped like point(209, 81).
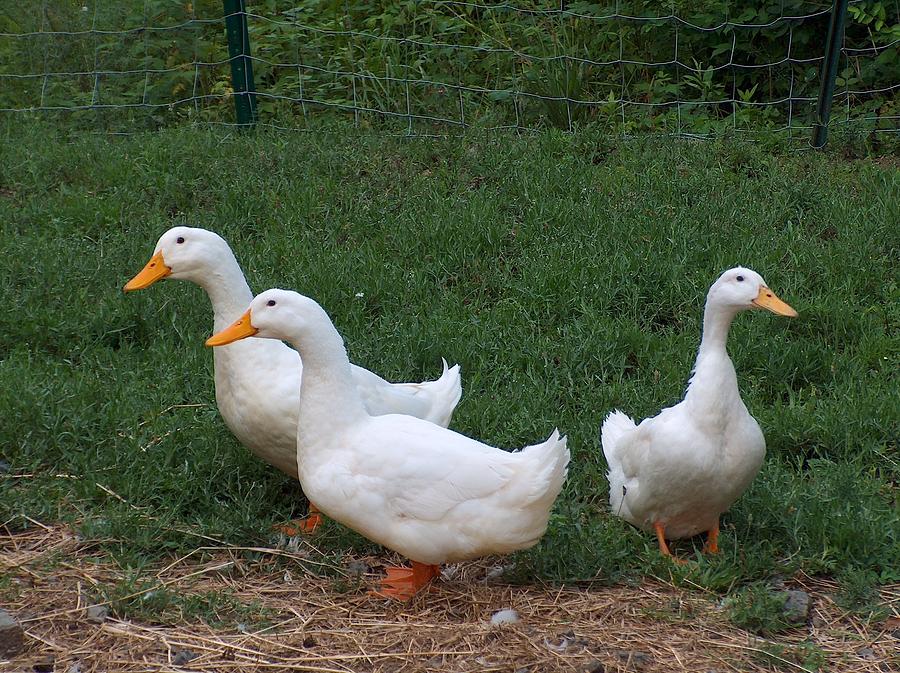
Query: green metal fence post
point(829, 71)
point(241, 64)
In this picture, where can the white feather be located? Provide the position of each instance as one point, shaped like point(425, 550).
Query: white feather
point(684, 467)
point(258, 380)
point(431, 494)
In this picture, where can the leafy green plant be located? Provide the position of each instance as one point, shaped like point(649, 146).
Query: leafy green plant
point(467, 63)
point(808, 656)
point(859, 593)
point(758, 609)
point(137, 597)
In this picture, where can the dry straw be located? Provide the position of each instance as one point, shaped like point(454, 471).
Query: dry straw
point(328, 623)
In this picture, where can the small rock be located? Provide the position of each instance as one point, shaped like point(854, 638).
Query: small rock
point(634, 659)
point(796, 607)
point(97, 613)
point(505, 616)
point(45, 666)
point(496, 573)
point(493, 574)
point(182, 657)
point(12, 637)
point(594, 667)
point(292, 544)
point(892, 627)
point(562, 642)
point(866, 653)
point(557, 646)
point(357, 568)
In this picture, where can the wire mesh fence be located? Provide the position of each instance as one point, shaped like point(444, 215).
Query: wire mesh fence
point(432, 66)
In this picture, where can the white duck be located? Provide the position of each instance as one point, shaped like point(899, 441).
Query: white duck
point(677, 472)
point(258, 380)
point(427, 492)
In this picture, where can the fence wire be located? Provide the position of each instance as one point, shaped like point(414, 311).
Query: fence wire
point(437, 65)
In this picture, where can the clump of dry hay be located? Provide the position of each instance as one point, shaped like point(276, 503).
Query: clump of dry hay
point(315, 627)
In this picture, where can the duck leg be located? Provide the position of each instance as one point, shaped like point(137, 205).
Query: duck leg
point(305, 526)
point(660, 529)
point(712, 540)
point(402, 583)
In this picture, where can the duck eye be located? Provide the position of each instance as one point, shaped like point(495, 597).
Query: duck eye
point(271, 302)
point(740, 278)
point(180, 239)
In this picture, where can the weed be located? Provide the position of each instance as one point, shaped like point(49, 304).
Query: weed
point(758, 609)
point(478, 64)
point(859, 594)
point(10, 590)
point(808, 656)
point(137, 597)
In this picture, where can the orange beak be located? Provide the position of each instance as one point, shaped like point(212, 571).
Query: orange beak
point(766, 299)
point(239, 329)
point(154, 270)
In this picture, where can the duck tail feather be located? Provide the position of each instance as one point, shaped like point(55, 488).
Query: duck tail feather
point(615, 425)
point(552, 460)
point(445, 392)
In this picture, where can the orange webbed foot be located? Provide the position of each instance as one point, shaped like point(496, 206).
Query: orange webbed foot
point(397, 584)
point(660, 529)
point(403, 583)
point(712, 540)
point(305, 526)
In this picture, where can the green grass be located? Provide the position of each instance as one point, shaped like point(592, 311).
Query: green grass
point(137, 598)
point(758, 608)
point(566, 273)
point(807, 656)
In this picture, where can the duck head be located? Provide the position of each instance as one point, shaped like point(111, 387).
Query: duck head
point(182, 253)
point(274, 314)
point(739, 289)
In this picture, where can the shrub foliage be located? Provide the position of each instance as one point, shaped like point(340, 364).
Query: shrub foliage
point(632, 65)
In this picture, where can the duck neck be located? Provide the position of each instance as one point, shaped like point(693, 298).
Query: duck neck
point(228, 292)
point(327, 392)
point(714, 382)
point(716, 324)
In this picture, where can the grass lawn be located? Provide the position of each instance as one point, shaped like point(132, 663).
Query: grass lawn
point(565, 273)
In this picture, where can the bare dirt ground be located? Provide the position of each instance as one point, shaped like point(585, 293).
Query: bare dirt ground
point(327, 623)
